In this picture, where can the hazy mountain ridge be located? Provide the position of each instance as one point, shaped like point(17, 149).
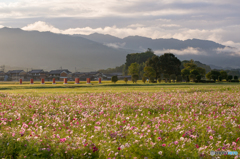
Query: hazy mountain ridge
point(200, 50)
point(46, 50)
point(33, 49)
point(134, 42)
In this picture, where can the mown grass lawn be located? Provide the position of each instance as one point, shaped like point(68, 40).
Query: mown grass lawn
point(176, 120)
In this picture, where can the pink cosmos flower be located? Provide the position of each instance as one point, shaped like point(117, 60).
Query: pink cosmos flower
point(63, 140)
point(175, 142)
point(163, 145)
point(210, 137)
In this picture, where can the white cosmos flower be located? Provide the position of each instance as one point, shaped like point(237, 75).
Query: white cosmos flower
point(160, 152)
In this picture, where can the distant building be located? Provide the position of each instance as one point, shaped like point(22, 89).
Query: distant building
point(58, 74)
point(120, 76)
point(15, 75)
point(84, 75)
point(37, 74)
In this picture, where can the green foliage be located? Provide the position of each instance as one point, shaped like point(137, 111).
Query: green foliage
point(220, 78)
point(133, 69)
point(190, 65)
point(230, 77)
point(159, 79)
point(192, 77)
point(151, 79)
point(126, 80)
point(144, 79)
point(173, 77)
point(149, 72)
point(185, 72)
point(166, 76)
point(214, 77)
point(138, 58)
point(195, 72)
point(198, 77)
point(114, 79)
point(224, 74)
point(154, 63)
point(191, 68)
point(179, 78)
point(169, 64)
point(235, 78)
point(135, 78)
point(214, 74)
point(199, 65)
point(209, 76)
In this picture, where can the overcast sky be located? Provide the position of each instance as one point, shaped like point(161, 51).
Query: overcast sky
point(217, 20)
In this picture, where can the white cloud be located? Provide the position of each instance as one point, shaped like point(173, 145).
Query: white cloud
point(115, 45)
point(42, 27)
point(187, 51)
point(135, 25)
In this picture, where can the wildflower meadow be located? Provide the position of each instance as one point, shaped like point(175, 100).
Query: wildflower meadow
point(160, 124)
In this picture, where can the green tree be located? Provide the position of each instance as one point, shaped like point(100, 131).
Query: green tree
point(135, 78)
point(185, 72)
point(149, 72)
point(195, 72)
point(126, 80)
point(213, 75)
point(173, 77)
point(193, 69)
point(201, 71)
point(190, 65)
point(230, 78)
point(198, 77)
point(220, 78)
point(138, 58)
point(166, 77)
point(235, 77)
point(169, 64)
point(192, 77)
point(179, 78)
point(151, 79)
point(159, 79)
point(114, 79)
point(154, 63)
point(133, 69)
point(224, 74)
point(144, 79)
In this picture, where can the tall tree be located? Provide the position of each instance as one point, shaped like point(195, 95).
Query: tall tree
point(224, 74)
point(149, 72)
point(138, 58)
point(154, 63)
point(169, 64)
point(133, 69)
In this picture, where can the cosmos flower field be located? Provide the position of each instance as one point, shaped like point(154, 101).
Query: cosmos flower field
point(160, 124)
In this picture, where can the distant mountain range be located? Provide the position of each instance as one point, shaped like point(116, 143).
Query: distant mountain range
point(46, 50)
point(205, 51)
point(33, 49)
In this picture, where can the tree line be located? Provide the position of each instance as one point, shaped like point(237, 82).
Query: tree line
point(168, 67)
